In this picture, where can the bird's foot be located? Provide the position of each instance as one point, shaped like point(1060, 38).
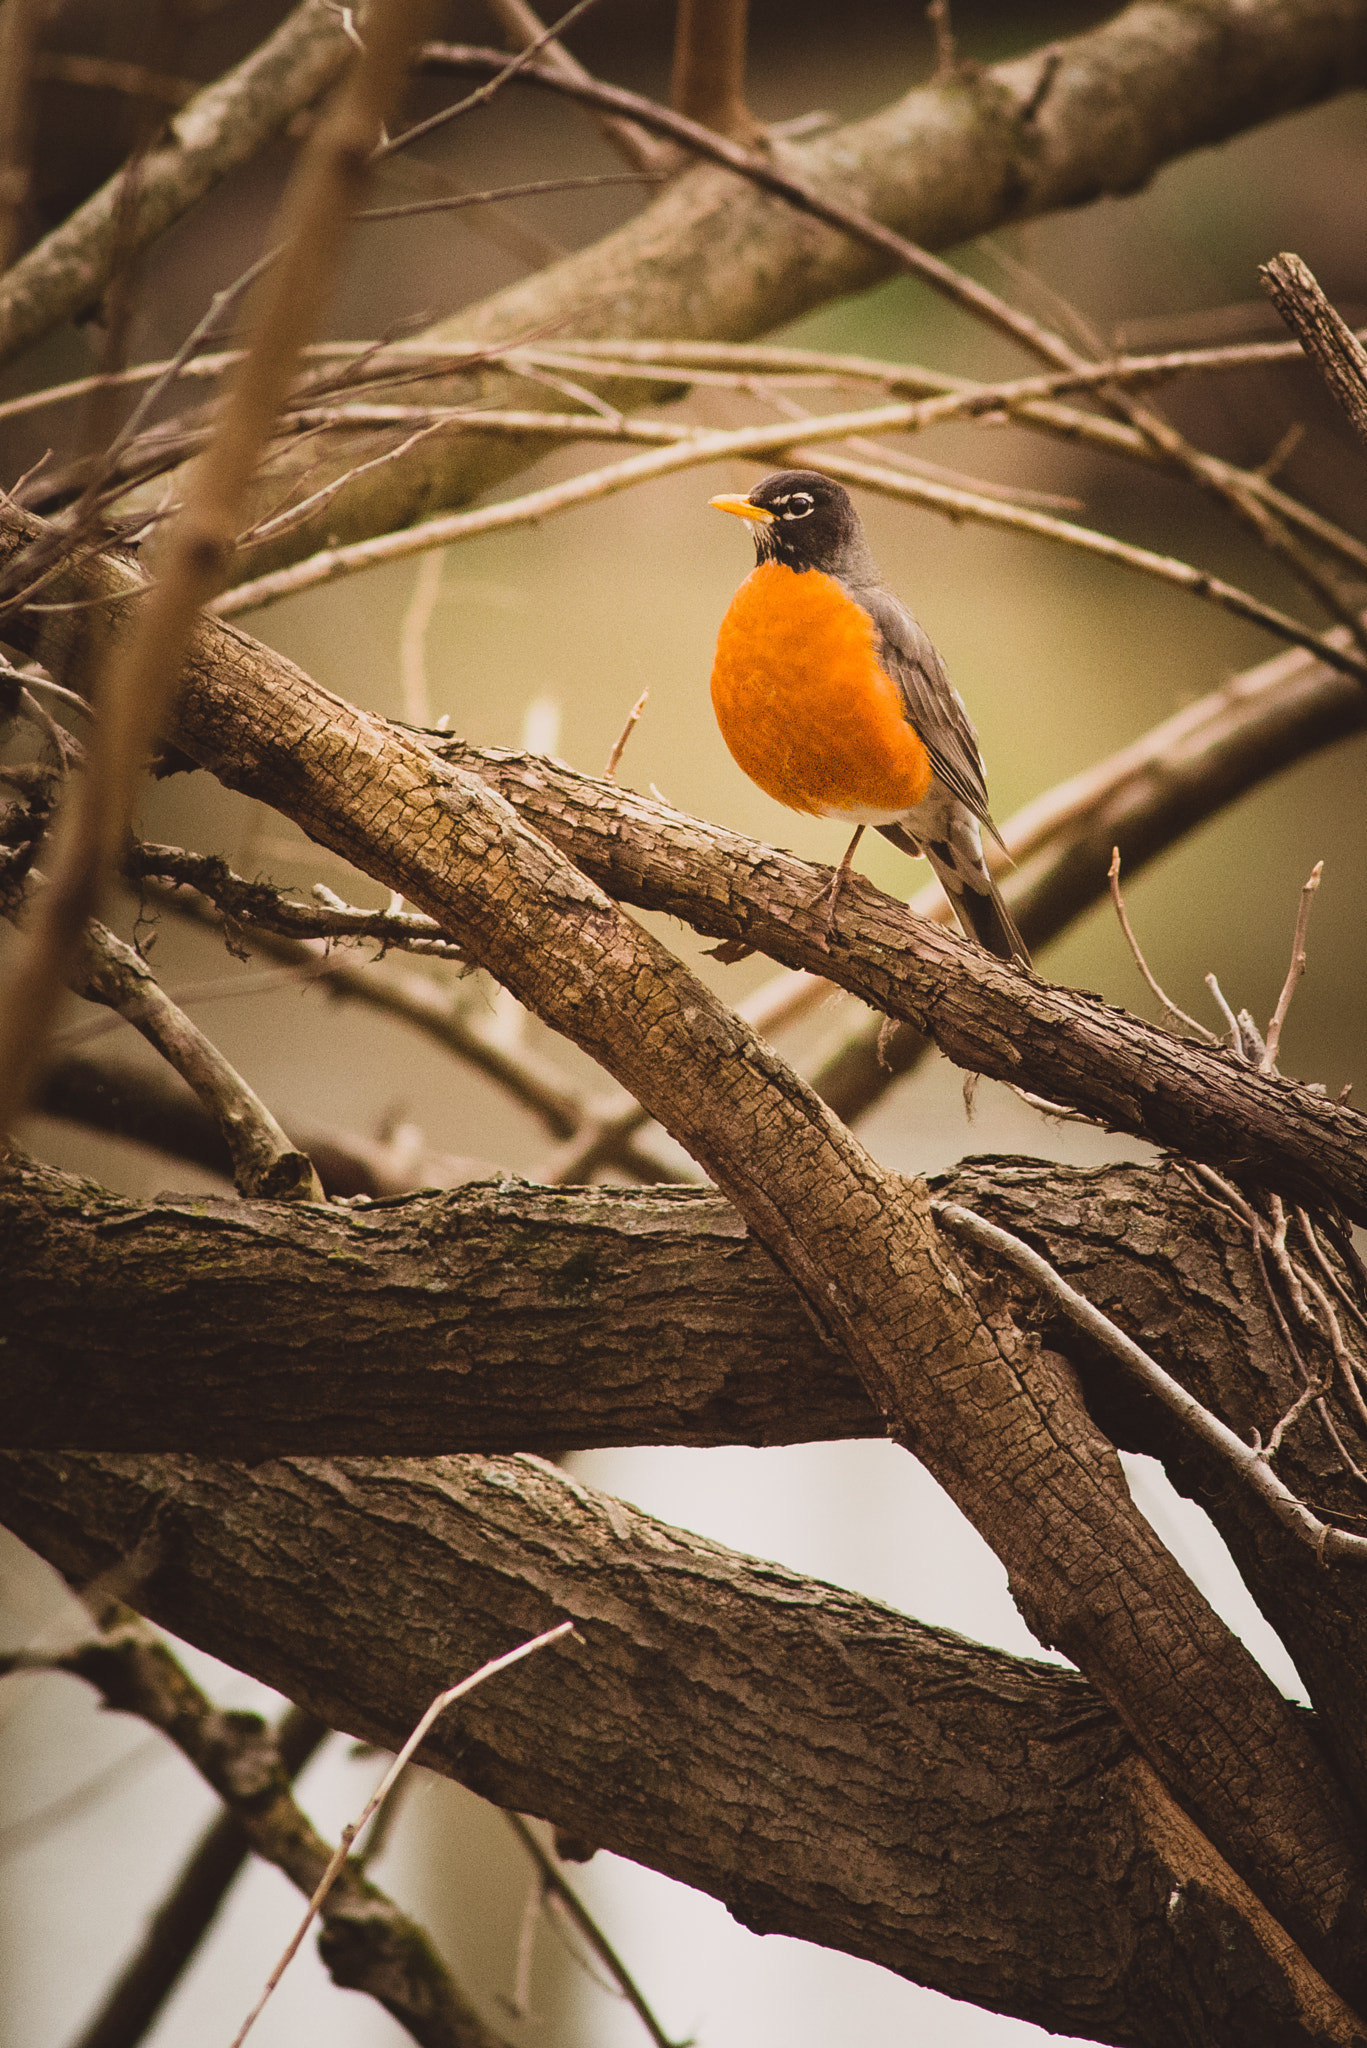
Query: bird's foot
point(830, 895)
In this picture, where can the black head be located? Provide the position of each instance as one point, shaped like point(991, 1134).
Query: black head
point(800, 518)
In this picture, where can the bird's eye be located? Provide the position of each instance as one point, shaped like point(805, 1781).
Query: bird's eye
point(799, 504)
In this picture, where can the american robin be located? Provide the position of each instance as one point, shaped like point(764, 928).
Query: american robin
point(834, 701)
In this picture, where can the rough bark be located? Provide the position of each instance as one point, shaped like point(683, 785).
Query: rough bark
point(379, 796)
point(825, 1767)
point(714, 258)
point(508, 1317)
point(995, 1418)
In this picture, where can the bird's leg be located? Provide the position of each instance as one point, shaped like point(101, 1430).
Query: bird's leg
point(831, 894)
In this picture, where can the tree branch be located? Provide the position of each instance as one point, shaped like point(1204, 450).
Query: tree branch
point(707, 83)
point(510, 1315)
point(189, 1909)
point(223, 126)
point(860, 1245)
point(265, 1163)
point(714, 256)
point(524, 26)
point(142, 669)
point(871, 1753)
point(367, 1943)
point(150, 1106)
point(264, 728)
point(1327, 339)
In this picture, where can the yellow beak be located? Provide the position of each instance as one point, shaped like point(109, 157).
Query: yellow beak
point(758, 515)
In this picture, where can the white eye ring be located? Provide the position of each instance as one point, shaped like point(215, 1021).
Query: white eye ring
point(802, 498)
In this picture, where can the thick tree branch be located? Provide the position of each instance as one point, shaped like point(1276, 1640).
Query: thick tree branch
point(826, 1768)
point(265, 729)
point(715, 257)
point(1066, 1046)
point(998, 1423)
point(510, 1316)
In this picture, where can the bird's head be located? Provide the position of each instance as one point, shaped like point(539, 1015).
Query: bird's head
point(800, 518)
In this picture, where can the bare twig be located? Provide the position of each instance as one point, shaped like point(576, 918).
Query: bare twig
point(226, 124)
point(145, 666)
point(1325, 336)
point(1268, 1062)
point(732, 365)
point(451, 1023)
point(353, 1829)
point(946, 53)
point(367, 1942)
point(504, 70)
point(706, 446)
point(260, 906)
point(265, 1163)
point(620, 743)
point(1235, 1036)
point(148, 1105)
point(554, 1883)
point(181, 1921)
point(1252, 1466)
point(1170, 1008)
point(972, 297)
point(413, 639)
point(527, 30)
point(110, 74)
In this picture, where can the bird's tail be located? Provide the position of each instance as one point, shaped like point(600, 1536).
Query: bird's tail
point(962, 872)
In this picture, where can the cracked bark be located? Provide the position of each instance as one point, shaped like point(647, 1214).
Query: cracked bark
point(998, 1421)
point(506, 1316)
point(419, 822)
point(827, 1768)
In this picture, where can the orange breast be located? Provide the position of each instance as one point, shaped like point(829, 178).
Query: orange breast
point(805, 707)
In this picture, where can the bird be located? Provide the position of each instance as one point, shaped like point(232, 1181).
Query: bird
point(833, 699)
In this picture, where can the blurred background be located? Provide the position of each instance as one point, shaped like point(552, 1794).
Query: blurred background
point(546, 637)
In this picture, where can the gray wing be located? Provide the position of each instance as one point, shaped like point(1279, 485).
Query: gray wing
point(934, 707)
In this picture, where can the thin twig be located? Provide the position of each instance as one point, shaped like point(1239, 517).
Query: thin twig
point(1170, 1008)
point(180, 1922)
point(260, 906)
point(709, 446)
point(1268, 1062)
point(1236, 1037)
point(265, 1162)
point(417, 618)
point(528, 30)
point(505, 69)
point(553, 1882)
point(353, 1829)
point(386, 1954)
point(1252, 1466)
point(620, 743)
point(964, 292)
point(225, 125)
